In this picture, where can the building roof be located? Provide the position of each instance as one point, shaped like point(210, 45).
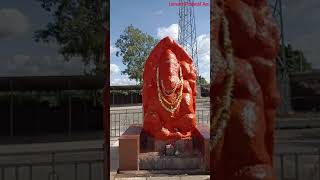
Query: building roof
point(126, 87)
point(300, 76)
point(305, 84)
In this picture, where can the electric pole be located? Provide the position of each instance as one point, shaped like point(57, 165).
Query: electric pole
point(282, 70)
point(188, 35)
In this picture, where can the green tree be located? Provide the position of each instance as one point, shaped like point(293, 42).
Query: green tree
point(78, 28)
point(202, 81)
point(134, 48)
point(295, 60)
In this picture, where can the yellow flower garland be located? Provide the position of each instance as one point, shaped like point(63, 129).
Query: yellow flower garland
point(172, 105)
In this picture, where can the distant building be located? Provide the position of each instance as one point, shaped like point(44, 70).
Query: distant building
point(131, 94)
point(305, 91)
point(50, 104)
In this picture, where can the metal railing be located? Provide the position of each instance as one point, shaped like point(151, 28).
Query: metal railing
point(120, 120)
point(53, 165)
point(298, 165)
point(288, 165)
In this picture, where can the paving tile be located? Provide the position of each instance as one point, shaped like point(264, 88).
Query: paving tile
point(185, 177)
point(131, 178)
point(204, 177)
point(164, 178)
point(112, 175)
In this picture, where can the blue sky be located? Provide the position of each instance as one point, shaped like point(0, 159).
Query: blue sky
point(20, 55)
point(158, 19)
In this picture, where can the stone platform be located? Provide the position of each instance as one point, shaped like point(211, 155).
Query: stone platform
point(155, 161)
point(169, 154)
point(160, 175)
point(138, 151)
point(182, 147)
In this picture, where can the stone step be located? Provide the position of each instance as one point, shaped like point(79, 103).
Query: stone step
point(163, 174)
point(155, 161)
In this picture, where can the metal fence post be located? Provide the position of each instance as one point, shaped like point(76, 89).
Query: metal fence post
point(281, 167)
point(16, 171)
point(69, 115)
point(126, 117)
point(202, 119)
point(53, 173)
point(104, 165)
point(30, 172)
point(133, 119)
point(119, 125)
point(90, 171)
point(296, 164)
point(76, 171)
point(2, 173)
point(319, 164)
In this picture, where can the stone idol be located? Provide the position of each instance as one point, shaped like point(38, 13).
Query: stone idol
point(169, 138)
point(244, 95)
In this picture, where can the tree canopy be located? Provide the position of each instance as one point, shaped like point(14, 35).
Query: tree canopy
point(78, 28)
point(134, 48)
point(295, 60)
point(202, 81)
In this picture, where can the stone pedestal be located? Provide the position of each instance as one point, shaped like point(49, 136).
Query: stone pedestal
point(183, 146)
point(202, 140)
point(129, 148)
point(155, 161)
point(139, 151)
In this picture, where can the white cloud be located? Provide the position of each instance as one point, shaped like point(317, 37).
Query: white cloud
point(172, 31)
point(204, 49)
point(159, 12)
point(203, 42)
point(12, 23)
point(121, 81)
point(117, 79)
point(114, 69)
point(113, 49)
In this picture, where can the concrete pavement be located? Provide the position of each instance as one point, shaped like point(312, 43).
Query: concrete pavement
point(287, 140)
point(180, 177)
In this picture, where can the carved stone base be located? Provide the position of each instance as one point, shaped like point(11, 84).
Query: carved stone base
point(155, 161)
point(179, 147)
point(139, 151)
